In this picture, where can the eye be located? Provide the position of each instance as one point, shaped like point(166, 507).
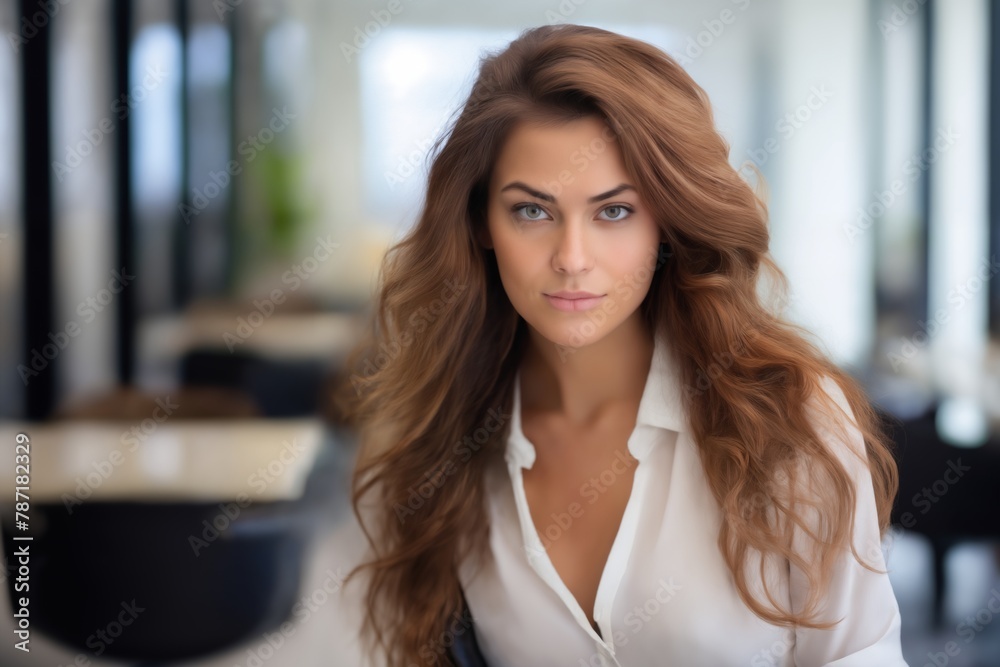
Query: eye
point(528, 207)
point(625, 211)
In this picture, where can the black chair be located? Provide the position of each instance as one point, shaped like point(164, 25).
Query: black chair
point(86, 567)
point(280, 387)
point(934, 501)
point(108, 557)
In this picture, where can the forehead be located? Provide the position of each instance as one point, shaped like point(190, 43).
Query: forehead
point(577, 156)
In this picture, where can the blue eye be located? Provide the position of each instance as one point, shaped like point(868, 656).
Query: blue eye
point(521, 207)
point(620, 207)
point(624, 212)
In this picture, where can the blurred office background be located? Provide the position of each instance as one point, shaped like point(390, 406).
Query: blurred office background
point(195, 196)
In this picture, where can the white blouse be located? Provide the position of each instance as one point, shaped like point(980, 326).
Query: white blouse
point(665, 595)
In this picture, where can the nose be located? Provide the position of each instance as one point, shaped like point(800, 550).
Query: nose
point(572, 252)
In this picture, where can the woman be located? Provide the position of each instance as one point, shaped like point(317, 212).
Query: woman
point(578, 420)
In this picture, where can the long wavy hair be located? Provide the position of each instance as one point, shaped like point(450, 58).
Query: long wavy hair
point(428, 388)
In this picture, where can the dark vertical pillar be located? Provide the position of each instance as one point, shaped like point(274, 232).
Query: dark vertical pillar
point(993, 173)
point(182, 231)
point(38, 280)
point(922, 304)
point(232, 237)
point(874, 143)
point(124, 229)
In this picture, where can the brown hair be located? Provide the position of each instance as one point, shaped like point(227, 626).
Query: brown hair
point(444, 343)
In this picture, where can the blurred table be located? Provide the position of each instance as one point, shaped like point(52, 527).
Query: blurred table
point(205, 523)
point(283, 361)
point(202, 460)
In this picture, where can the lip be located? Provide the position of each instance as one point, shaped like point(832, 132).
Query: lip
point(563, 294)
point(574, 301)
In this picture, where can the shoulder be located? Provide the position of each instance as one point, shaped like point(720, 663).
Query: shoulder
point(833, 462)
point(830, 414)
point(828, 398)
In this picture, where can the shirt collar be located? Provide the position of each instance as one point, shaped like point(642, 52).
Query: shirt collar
point(659, 407)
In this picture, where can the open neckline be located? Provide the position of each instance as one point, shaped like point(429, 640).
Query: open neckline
point(613, 569)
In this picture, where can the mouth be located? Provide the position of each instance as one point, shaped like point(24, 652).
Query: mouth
point(575, 302)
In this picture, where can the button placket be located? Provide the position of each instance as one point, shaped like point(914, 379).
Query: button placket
point(538, 558)
point(639, 443)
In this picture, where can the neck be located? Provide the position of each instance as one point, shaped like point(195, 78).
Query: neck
point(581, 383)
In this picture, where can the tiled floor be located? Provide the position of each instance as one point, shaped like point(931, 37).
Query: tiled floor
point(327, 636)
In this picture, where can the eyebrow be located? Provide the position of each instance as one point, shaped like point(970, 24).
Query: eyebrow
point(549, 198)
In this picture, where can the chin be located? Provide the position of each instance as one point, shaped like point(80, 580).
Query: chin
point(575, 335)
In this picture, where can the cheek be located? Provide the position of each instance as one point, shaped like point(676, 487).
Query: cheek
point(519, 275)
point(516, 259)
point(635, 262)
point(514, 248)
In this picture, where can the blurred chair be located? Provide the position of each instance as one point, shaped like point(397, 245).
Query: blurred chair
point(944, 507)
point(88, 563)
point(280, 387)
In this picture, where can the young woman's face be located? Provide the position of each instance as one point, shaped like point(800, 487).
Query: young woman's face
point(564, 217)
